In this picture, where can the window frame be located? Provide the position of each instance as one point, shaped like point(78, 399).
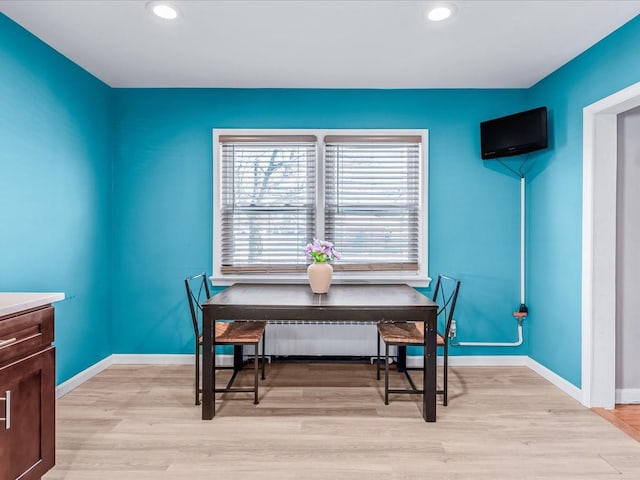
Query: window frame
point(418, 278)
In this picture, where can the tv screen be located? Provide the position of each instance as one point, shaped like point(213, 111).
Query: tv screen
point(514, 134)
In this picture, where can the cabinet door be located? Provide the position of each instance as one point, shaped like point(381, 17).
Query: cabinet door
point(27, 441)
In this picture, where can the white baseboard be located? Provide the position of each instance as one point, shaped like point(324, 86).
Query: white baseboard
point(152, 359)
point(567, 387)
point(475, 361)
point(83, 376)
point(627, 395)
point(159, 359)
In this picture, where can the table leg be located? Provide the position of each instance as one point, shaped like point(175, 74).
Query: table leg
point(429, 370)
point(401, 366)
point(238, 360)
point(208, 372)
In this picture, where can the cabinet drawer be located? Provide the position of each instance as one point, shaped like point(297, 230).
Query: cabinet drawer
point(25, 333)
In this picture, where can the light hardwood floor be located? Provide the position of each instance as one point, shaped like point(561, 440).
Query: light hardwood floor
point(328, 421)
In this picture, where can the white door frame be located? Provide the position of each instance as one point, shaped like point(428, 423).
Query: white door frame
point(599, 189)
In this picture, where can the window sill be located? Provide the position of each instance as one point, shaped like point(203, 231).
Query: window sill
point(411, 280)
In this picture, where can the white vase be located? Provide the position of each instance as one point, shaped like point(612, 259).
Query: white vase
point(320, 274)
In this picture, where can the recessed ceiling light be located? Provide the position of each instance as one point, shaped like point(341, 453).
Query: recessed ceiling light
point(163, 10)
point(441, 12)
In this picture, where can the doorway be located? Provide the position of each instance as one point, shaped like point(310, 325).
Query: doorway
point(599, 193)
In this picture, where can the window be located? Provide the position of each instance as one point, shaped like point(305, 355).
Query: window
point(267, 208)
point(275, 191)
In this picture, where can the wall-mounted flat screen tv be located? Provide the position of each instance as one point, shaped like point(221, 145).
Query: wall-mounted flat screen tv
point(514, 134)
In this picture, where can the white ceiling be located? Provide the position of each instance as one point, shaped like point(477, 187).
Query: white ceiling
point(322, 43)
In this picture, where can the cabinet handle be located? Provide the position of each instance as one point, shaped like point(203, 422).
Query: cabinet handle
point(7, 409)
point(7, 341)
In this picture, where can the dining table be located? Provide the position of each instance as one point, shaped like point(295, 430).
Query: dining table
point(297, 303)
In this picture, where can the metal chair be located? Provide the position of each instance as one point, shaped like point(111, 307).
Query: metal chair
point(227, 333)
point(445, 295)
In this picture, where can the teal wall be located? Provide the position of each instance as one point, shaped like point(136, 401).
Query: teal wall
point(105, 194)
point(555, 197)
point(163, 197)
point(55, 191)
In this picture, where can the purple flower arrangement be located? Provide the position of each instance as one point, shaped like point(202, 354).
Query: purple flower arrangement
point(321, 251)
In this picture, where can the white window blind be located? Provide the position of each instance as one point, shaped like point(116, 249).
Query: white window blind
point(268, 195)
point(372, 201)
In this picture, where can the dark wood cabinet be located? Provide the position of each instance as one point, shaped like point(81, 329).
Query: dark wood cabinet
point(27, 394)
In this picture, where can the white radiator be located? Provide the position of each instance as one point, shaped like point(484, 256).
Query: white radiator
point(317, 339)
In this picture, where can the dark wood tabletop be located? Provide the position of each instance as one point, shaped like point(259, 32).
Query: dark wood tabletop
point(296, 302)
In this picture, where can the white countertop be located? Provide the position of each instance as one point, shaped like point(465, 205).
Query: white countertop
point(11, 302)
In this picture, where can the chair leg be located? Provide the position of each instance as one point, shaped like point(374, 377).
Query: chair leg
point(378, 357)
point(445, 374)
point(213, 375)
point(255, 375)
point(264, 334)
point(386, 374)
point(197, 382)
